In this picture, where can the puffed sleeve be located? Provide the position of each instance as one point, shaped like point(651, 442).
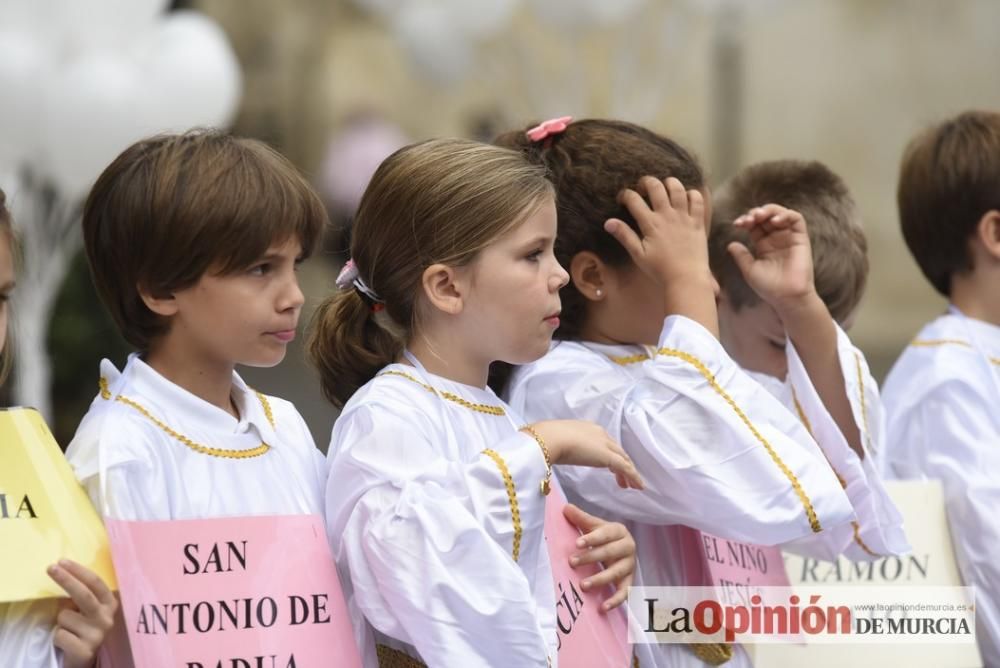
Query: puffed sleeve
point(878, 529)
point(429, 544)
point(716, 450)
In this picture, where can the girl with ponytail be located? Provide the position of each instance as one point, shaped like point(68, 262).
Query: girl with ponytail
point(436, 492)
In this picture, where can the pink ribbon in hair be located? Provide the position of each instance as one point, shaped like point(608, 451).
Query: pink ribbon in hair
point(347, 275)
point(545, 129)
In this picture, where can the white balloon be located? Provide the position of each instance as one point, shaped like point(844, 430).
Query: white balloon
point(73, 26)
point(94, 108)
point(25, 66)
point(193, 73)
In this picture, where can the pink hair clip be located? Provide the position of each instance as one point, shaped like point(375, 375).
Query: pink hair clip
point(347, 275)
point(545, 129)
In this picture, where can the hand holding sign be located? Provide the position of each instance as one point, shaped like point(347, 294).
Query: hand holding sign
point(585, 637)
point(605, 542)
point(87, 618)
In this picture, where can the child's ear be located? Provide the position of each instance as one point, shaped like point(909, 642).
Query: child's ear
point(165, 306)
point(590, 275)
point(444, 288)
point(988, 231)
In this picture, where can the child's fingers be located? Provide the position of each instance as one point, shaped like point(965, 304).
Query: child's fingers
point(632, 473)
point(92, 580)
point(622, 465)
point(71, 645)
point(609, 576)
point(580, 518)
point(773, 215)
point(607, 552)
point(620, 595)
point(603, 533)
point(696, 205)
point(655, 191)
point(742, 256)
point(81, 627)
point(84, 598)
point(624, 235)
point(678, 195)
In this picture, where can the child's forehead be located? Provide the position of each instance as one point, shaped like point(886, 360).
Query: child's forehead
point(538, 221)
point(240, 258)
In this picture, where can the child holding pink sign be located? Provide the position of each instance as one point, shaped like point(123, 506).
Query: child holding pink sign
point(639, 354)
point(193, 242)
point(45, 633)
point(437, 494)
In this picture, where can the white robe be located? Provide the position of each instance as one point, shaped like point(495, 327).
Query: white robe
point(421, 525)
point(878, 530)
point(942, 400)
point(150, 475)
point(702, 463)
point(26, 629)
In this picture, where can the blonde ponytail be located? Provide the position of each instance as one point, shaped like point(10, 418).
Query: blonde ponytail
point(347, 346)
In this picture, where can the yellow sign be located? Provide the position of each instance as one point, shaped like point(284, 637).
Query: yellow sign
point(45, 515)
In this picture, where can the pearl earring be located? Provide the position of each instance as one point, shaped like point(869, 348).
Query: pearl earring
point(599, 293)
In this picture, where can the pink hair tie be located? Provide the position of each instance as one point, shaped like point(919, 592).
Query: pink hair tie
point(350, 277)
point(546, 129)
point(347, 275)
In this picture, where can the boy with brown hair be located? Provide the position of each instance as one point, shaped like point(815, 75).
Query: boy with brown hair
point(193, 242)
point(943, 393)
point(807, 361)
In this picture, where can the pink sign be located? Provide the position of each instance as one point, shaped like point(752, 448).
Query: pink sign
point(734, 568)
point(587, 636)
point(244, 592)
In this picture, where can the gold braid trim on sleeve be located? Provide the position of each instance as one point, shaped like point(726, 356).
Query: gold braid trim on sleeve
point(714, 384)
point(515, 512)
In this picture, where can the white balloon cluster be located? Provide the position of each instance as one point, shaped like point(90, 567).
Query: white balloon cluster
point(83, 79)
point(80, 80)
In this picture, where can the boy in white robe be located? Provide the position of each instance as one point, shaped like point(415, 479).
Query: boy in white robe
point(193, 242)
point(942, 397)
point(813, 369)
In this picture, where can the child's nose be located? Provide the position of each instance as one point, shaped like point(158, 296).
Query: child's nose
point(561, 277)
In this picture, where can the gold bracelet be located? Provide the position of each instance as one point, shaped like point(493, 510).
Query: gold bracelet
point(546, 484)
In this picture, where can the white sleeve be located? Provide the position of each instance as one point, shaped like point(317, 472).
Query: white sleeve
point(26, 634)
point(950, 435)
point(717, 452)
point(429, 543)
point(134, 484)
point(878, 529)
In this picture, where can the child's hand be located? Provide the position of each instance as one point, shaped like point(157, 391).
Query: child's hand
point(89, 616)
point(607, 542)
point(674, 247)
point(673, 250)
point(584, 443)
point(780, 269)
